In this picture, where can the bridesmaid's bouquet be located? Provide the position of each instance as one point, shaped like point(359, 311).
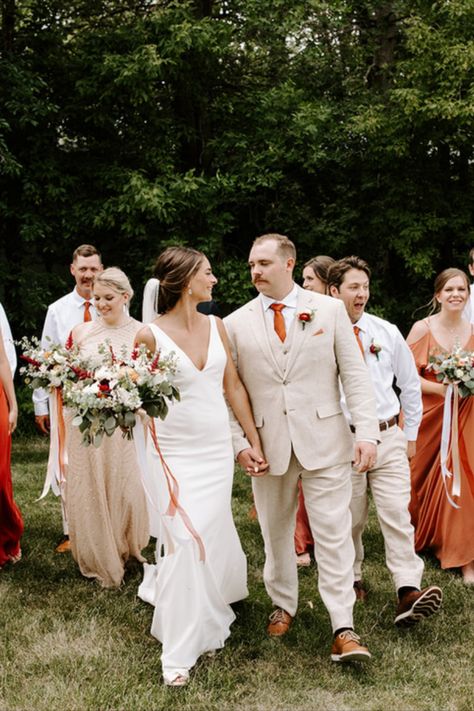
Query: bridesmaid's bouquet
point(49, 367)
point(455, 368)
point(116, 388)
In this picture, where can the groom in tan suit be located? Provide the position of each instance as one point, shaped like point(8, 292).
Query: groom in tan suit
point(291, 346)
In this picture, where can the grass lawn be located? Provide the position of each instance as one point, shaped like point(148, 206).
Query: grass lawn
point(67, 644)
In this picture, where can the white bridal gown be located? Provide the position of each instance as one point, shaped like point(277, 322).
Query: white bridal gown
point(191, 596)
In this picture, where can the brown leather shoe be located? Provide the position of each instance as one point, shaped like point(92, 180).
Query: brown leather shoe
point(347, 648)
point(64, 546)
point(418, 604)
point(280, 622)
point(360, 592)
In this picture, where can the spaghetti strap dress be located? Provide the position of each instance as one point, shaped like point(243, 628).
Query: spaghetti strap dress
point(447, 531)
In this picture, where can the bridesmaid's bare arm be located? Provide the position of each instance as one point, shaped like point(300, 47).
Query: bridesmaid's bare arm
point(7, 382)
point(428, 387)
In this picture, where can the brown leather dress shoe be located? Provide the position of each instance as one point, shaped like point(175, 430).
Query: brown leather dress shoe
point(418, 604)
point(280, 622)
point(64, 546)
point(347, 648)
point(360, 592)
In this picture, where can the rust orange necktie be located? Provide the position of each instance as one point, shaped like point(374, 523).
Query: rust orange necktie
point(87, 311)
point(359, 340)
point(279, 321)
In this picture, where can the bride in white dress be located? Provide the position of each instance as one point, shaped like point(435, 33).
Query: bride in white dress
point(201, 567)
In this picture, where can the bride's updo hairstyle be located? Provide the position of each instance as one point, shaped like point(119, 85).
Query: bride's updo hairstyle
point(174, 268)
point(441, 281)
point(115, 279)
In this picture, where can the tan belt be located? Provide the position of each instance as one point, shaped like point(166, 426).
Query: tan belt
point(384, 424)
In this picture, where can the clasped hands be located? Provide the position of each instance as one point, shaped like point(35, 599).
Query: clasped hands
point(253, 461)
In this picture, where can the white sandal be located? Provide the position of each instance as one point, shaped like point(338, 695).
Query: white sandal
point(176, 677)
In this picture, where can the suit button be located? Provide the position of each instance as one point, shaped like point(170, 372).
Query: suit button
point(284, 412)
point(285, 352)
point(284, 382)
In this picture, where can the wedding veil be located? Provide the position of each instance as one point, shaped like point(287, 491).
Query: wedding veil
point(150, 300)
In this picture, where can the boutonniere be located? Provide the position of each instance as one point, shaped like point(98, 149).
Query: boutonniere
point(375, 348)
point(305, 316)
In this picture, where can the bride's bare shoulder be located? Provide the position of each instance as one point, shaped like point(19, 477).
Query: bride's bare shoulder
point(145, 335)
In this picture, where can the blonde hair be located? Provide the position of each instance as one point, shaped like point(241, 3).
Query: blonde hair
point(116, 279)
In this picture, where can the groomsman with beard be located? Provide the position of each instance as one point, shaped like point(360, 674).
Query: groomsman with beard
point(61, 317)
point(388, 357)
point(291, 346)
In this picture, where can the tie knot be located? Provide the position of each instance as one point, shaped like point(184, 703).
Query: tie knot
point(356, 330)
point(277, 307)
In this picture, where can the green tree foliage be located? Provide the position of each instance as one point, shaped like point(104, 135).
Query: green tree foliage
point(134, 124)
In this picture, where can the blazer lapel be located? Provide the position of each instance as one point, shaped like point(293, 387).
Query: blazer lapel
point(300, 334)
point(259, 328)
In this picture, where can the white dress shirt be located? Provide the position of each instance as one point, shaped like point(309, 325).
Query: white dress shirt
point(5, 330)
point(61, 317)
point(288, 312)
point(395, 359)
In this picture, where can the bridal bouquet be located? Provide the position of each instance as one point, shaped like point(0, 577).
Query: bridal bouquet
point(456, 368)
point(115, 388)
point(49, 367)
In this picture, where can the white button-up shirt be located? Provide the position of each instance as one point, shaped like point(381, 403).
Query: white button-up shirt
point(395, 360)
point(9, 346)
point(61, 317)
point(288, 312)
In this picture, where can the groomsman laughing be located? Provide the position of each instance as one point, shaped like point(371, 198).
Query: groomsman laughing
point(388, 358)
point(61, 317)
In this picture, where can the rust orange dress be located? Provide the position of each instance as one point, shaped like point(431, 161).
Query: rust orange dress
point(447, 531)
point(303, 536)
point(11, 523)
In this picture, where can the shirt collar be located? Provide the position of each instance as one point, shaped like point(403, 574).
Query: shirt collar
point(289, 300)
point(79, 300)
point(362, 323)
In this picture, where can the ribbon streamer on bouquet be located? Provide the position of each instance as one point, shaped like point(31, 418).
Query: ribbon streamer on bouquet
point(139, 438)
point(450, 444)
point(173, 488)
point(57, 460)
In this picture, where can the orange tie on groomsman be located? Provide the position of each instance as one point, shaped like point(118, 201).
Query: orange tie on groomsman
point(87, 311)
point(359, 340)
point(279, 321)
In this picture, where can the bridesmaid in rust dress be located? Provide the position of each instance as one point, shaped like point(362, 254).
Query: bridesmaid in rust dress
point(315, 273)
point(11, 523)
point(446, 530)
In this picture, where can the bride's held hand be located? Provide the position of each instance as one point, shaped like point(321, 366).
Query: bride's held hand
point(253, 461)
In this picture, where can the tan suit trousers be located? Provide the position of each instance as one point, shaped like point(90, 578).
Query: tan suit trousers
point(389, 482)
point(327, 494)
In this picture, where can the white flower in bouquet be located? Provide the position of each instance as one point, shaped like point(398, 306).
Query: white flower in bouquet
point(116, 388)
point(455, 368)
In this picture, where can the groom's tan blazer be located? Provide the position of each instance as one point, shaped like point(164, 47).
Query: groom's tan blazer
point(299, 407)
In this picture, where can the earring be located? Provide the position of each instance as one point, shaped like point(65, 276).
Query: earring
point(190, 291)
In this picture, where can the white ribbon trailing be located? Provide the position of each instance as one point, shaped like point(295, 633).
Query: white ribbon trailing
point(57, 459)
point(450, 443)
